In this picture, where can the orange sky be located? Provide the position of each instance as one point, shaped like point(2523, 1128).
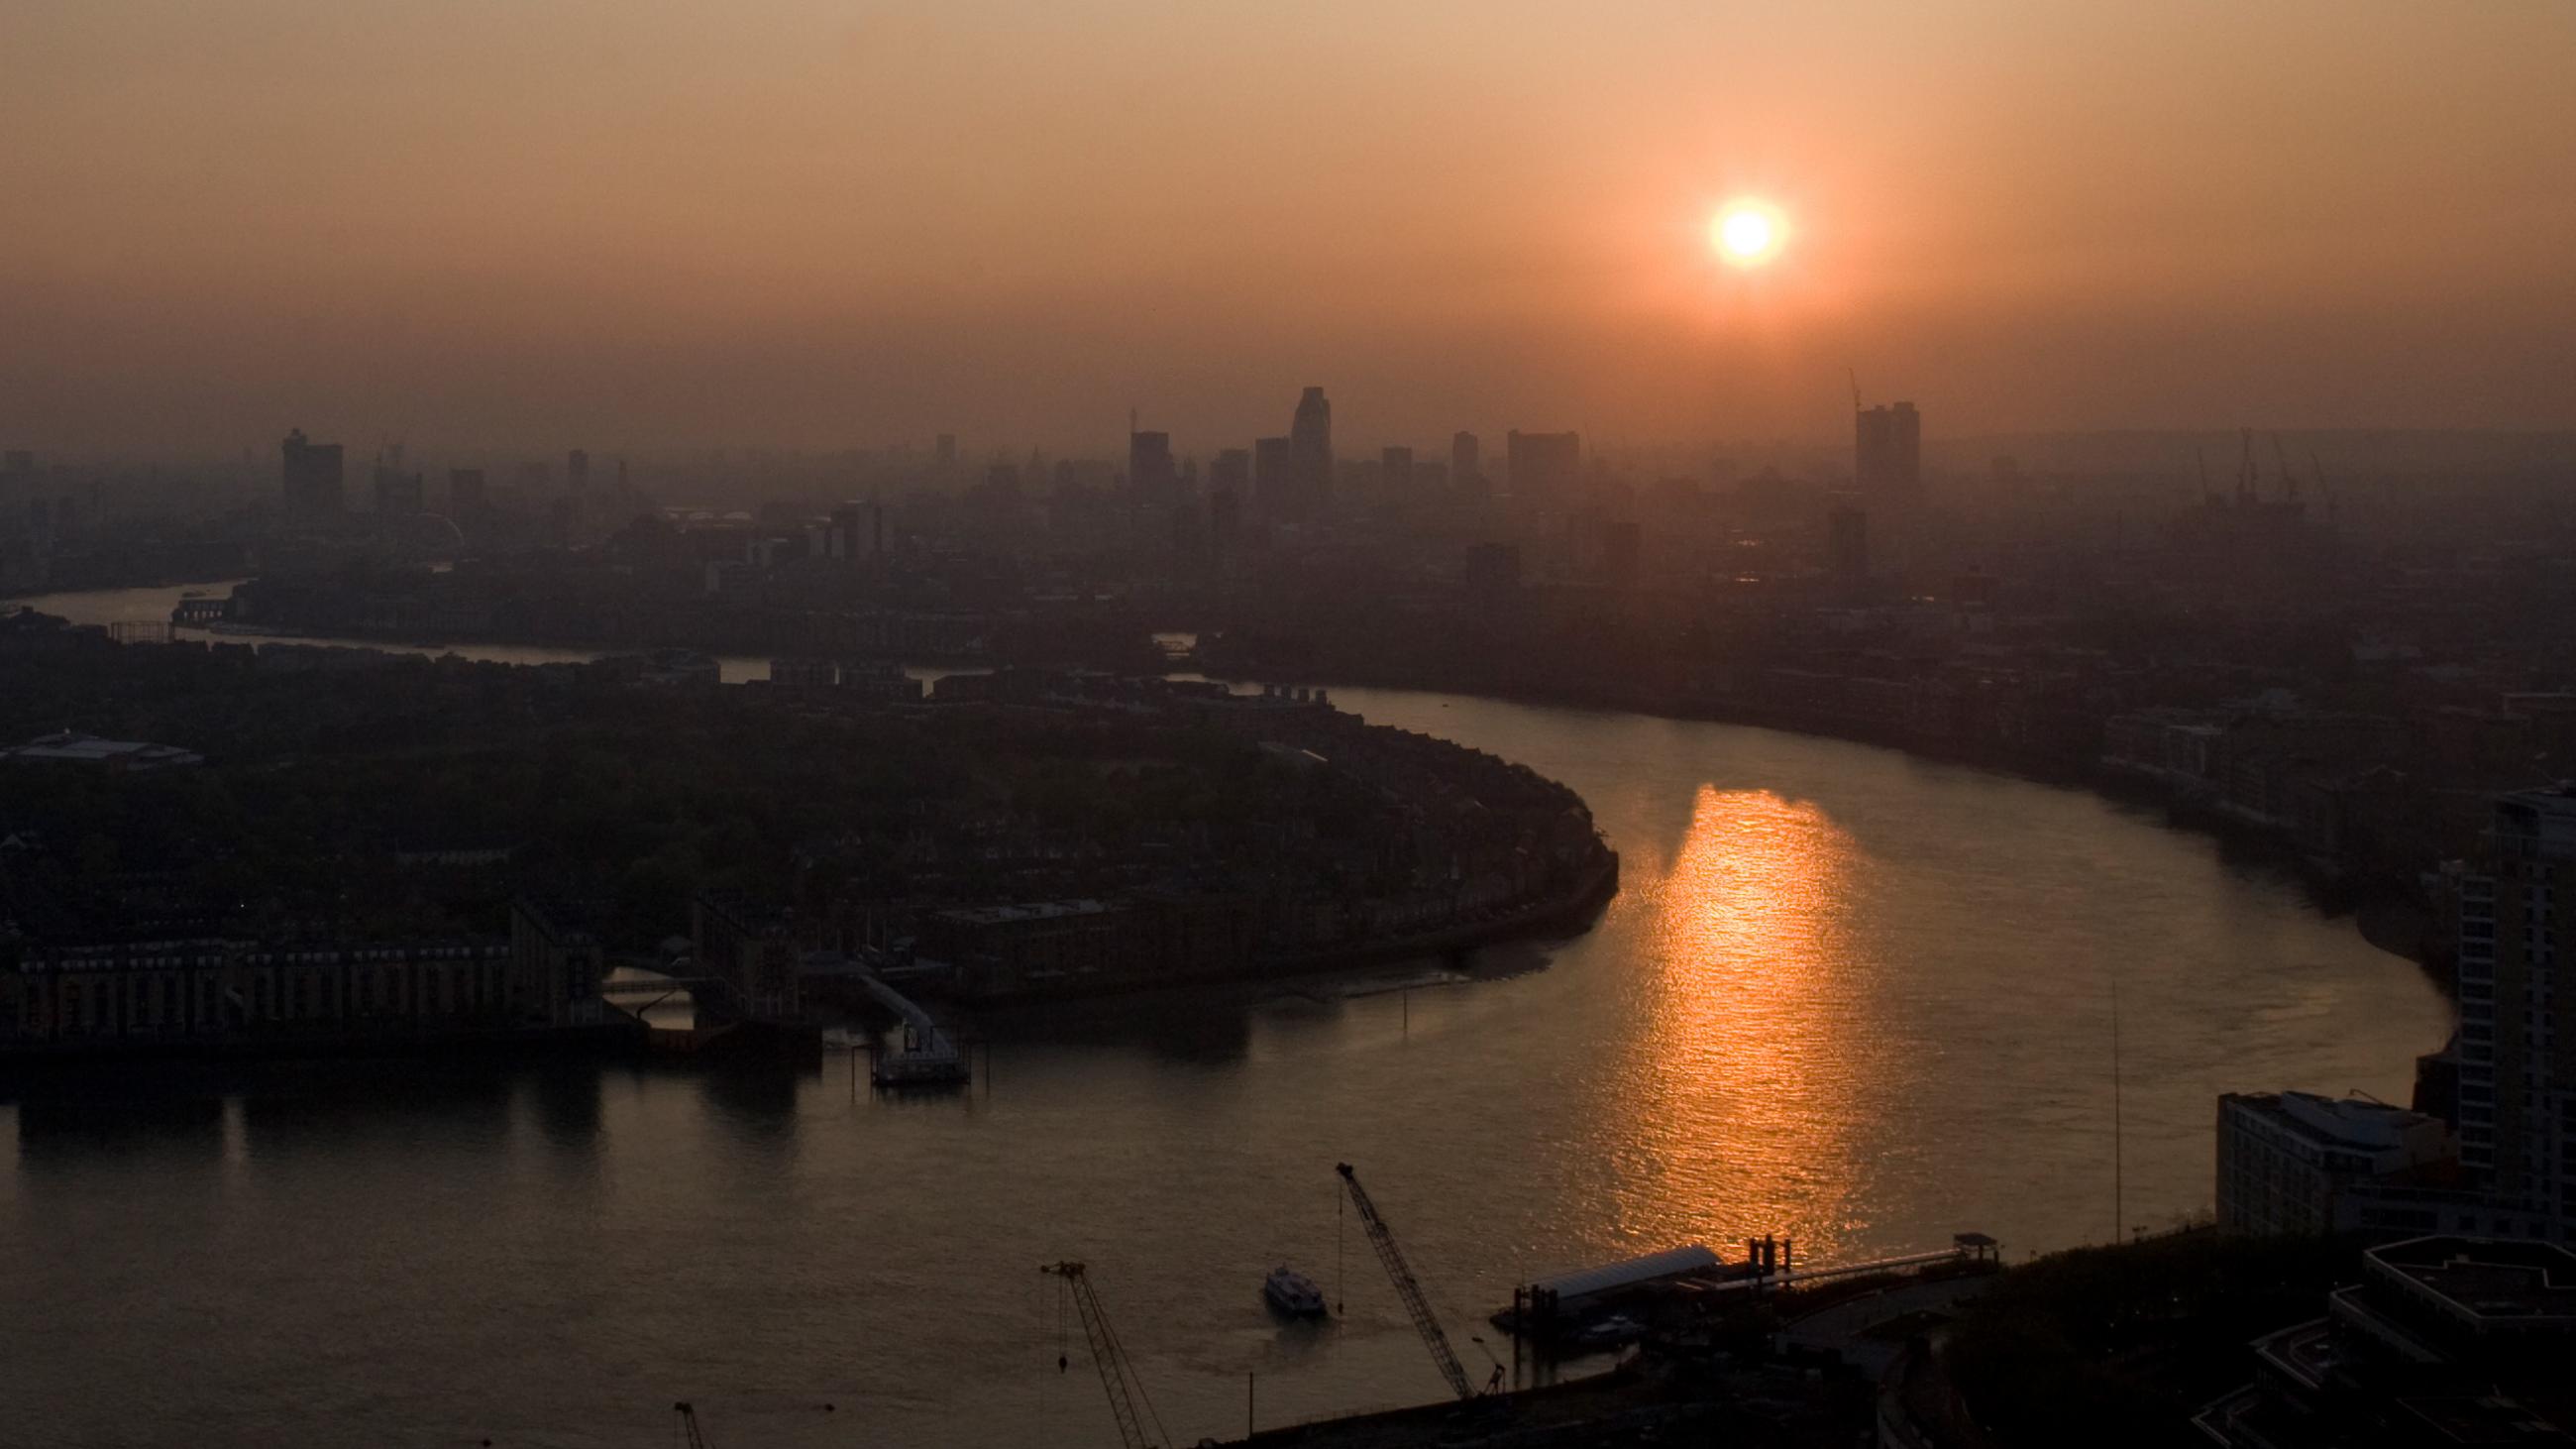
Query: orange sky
point(639, 223)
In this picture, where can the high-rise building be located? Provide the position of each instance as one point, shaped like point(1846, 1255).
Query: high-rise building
point(466, 494)
point(1150, 475)
point(1310, 446)
point(1543, 466)
point(1274, 484)
point(2517, 1047)
point(1395, 469)
point(577, 470)
point(1887, 452)
point(1466, 458)
point(311, 475)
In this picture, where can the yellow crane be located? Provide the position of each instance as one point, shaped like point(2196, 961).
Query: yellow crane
point(1118, 1376)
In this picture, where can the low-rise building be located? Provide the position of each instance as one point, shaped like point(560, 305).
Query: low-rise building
point(2286, 1159)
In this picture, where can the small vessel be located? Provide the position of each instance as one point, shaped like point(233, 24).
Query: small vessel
point(1293, 1293)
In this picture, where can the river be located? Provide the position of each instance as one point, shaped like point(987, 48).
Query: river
point(1844, 995)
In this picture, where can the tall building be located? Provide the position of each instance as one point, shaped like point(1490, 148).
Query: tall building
point(1543, 466)
point(1150, 474)
point(466, 493)
point(311, 475)
point(1887, 452)
point(1395, 469)
point(577, 470)
point(1310, 447)
point(2517, 1047)
point(1466, 457)
point(1273, 482)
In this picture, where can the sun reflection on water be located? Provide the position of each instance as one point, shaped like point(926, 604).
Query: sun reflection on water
point(1738, 1108)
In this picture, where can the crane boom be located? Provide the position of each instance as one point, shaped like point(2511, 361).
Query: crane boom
point(689, 1425)
point(1407, 1287)
point(1118, 1378)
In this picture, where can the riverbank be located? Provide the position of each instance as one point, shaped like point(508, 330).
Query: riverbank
point(2391, 915)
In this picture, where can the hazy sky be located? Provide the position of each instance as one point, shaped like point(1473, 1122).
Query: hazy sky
point(640, 223)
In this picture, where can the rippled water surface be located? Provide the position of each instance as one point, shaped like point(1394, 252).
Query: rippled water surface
point(1845, 995)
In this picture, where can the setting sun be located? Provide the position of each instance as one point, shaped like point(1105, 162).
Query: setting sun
point(1747, 234)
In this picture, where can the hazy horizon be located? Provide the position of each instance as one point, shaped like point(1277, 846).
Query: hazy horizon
point(811, 223)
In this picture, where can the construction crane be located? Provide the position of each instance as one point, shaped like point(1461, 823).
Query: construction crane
point(689, 1425)
point(1407, 1287)
point(1118, 1377)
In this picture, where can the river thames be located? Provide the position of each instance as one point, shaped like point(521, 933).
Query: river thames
point(1844, 995)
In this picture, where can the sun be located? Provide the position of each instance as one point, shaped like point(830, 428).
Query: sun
point(1747, 233)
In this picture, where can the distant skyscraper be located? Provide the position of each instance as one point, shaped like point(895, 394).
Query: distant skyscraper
point(2517, 1046)
point(1274, 482)
point(311, 474)
point(577, 470)
point(1395, 469)
point(1887, 452)
point(1310, 446)
point(1546, 467)
point(1466, 458)
point(466, 495)
point(1150, 474)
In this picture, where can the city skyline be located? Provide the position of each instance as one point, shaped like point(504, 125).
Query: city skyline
point(796, 226)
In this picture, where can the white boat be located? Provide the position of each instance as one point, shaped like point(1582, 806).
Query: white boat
point(1293, 1293)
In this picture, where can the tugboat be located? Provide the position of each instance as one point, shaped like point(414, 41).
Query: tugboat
point(1293, 1293)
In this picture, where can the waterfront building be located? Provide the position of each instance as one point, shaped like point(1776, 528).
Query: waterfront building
point(751, 947)
point(555, 965)
point(2287, 1159)
point(2517, 1052)
point(140, 992)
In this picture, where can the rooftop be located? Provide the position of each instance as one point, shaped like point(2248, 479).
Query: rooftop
point(2490, 1283)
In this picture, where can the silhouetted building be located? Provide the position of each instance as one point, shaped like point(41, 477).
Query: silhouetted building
point(2443, 1340)
point(1395, 470)
point(555, 964)
point(1466, 458)
point(1150, 474)
point(1310, 447)
point(1543, 466)
point(2517, 1046)
point(1273, 477)
point(466, 494)
point(311, 474)
point(750, 947)
point(1887, 452)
